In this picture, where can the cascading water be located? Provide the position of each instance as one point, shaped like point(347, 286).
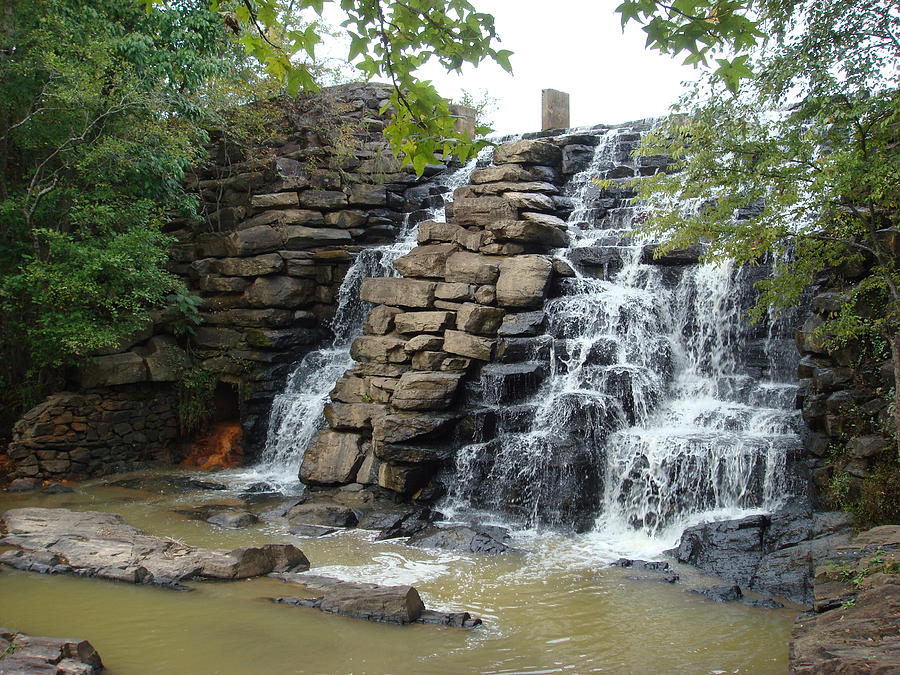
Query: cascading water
point(659, 407)
point(296, 413)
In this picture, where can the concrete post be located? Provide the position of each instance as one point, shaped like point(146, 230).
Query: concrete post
point(465, 119)
point(554, 109)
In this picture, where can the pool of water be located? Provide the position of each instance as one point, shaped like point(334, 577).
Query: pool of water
point(556, 607)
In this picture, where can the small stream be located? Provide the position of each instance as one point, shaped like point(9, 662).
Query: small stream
point(557, 607)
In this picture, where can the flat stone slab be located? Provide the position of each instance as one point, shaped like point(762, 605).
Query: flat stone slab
point(103, 545)
point(373, 602)
point(21, 654)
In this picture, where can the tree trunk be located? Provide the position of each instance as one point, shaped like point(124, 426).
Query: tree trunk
point(895, 359)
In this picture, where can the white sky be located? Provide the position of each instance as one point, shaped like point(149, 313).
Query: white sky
point(576, 46)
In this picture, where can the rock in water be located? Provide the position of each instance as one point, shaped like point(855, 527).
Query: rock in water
point(721, 593)
point(233, 519)
point(22, 654)
point(103, 545)
point(485, 539)
point(372, 602)
point(773, 554)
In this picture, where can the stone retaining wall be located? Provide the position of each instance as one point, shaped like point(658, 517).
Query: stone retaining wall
point(79, 434)
point(281, 224)
point(471, 293)
point(845, 396)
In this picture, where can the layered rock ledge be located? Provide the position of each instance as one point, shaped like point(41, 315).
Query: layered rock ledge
point(103, 545)
point(853, 627)
point(22, 654)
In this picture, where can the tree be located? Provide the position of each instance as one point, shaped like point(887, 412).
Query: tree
point(808, 135)
point(102, 109)
point(388, 39)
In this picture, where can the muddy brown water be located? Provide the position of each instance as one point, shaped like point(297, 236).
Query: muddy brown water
point(557, 608)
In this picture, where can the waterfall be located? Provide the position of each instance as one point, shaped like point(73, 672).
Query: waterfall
point(659, 406)
point(296, 413)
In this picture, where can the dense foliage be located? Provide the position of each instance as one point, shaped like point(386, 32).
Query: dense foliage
point(101, 112)
point(389, 40)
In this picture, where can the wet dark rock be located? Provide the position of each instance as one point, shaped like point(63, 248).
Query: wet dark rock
point(260, 488)
point(312, 530)
point(719, 593)
point(686, 256)
point(649, 565)
point(54, 488)
point(659, 570)
point(408, 524)
point(764, 603)
point(322, 515)
point(233, 519)
point(484, 539)
point(103, 545)
point(774, 554)
point(22, 654)
point(22, 485)
point(372, 602)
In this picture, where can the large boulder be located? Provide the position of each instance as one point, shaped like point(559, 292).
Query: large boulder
point(530, 233)
point(390, 604)
point(255, 266)
point(479, 319)
point(97, 544)
point(482, 211)
point(523, 281)
point(352, 416)
point(298, 237)
point(471, 346)
point(379, 348)
point(486, 539)
point(471, 268)
point(253, 241)
point(774, 554)
point(425, 391)
point(398, 292)
point(425, 261)
point(332, 458)
point(107, 371)
point(279, 291)
point(423, 322)
point(528, 152)
point(403, 427)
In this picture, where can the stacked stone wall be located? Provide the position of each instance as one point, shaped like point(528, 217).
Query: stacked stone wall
point(79, 434)
point(281, 223)
point(470, 293)
point(846, 394)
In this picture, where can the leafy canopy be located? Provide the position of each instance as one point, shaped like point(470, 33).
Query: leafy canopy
point(387, 40)
point(102, 107)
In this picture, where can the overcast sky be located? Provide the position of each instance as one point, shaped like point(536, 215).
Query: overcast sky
point(576, 46)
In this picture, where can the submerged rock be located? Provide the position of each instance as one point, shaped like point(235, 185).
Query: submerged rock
point(233, 519)
point(103, 545)
point(22, 485)
point(54, 488)
point(659, 569)
point(21, 654)
point(486, 539)
point(719, 593)
point(372, 602)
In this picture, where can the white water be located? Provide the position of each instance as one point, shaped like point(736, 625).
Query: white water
point(296, 413)
point(650, 414)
